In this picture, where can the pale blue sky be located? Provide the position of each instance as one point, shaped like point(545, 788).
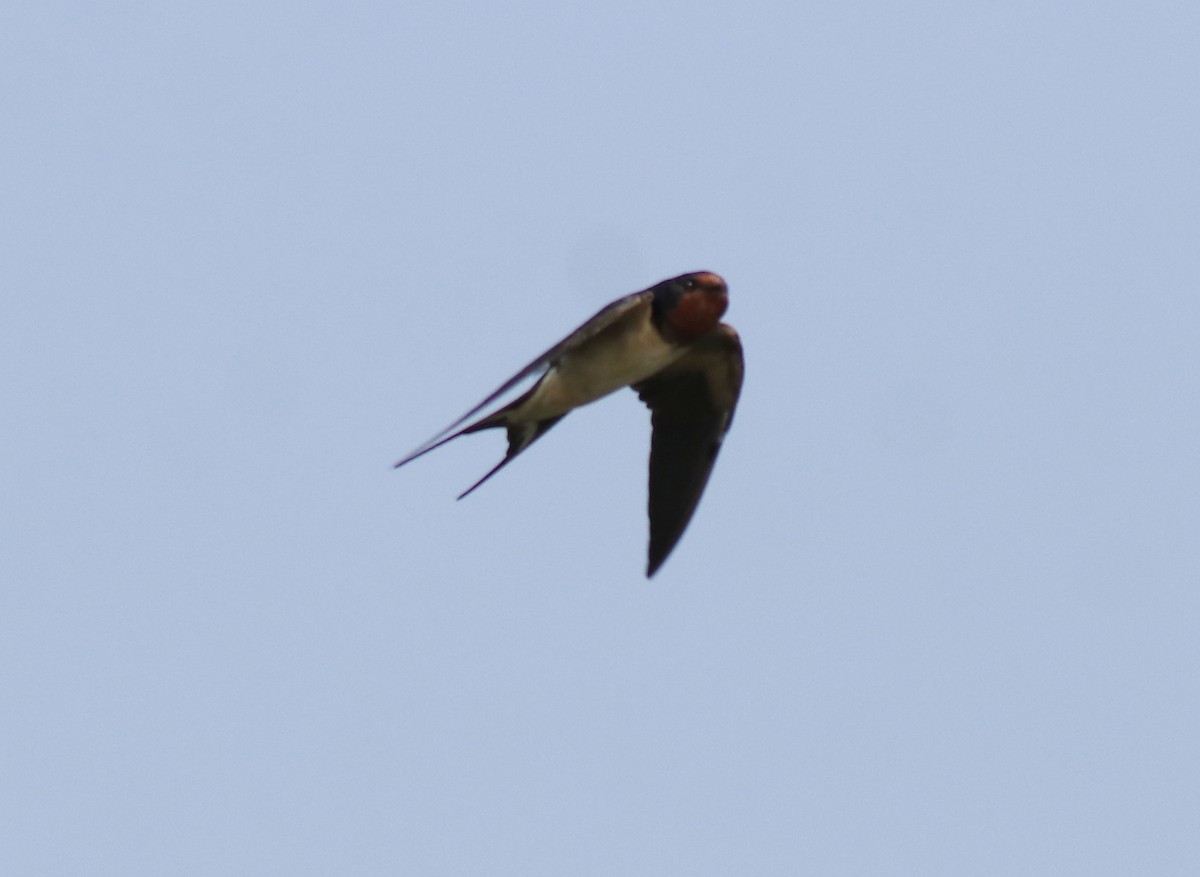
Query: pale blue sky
point(938, 612)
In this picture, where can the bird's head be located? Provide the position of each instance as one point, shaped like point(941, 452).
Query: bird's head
point(691, 304)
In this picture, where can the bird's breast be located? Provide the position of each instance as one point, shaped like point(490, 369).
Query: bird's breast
point(630, 352)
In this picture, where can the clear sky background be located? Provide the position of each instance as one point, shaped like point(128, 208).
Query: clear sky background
point(939, 611)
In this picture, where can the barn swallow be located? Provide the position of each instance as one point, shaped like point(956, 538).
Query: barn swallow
point(668, 344)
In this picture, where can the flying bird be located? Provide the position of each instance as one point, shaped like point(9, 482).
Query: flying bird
point(669, 345)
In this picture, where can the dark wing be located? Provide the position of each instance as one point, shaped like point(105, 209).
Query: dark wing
point(603, 318)
point(691, 404)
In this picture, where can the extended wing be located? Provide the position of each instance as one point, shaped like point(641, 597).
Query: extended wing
point(603, 318)
point(691, 403)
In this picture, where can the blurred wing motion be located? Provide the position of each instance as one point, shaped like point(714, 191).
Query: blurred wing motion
point(691, 403)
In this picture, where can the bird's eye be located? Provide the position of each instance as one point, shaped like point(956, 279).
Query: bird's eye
point(690, 283)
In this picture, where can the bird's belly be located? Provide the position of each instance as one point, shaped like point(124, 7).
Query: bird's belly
point(594, 371)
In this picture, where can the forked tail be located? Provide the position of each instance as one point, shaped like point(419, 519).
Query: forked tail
point(520, 436)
